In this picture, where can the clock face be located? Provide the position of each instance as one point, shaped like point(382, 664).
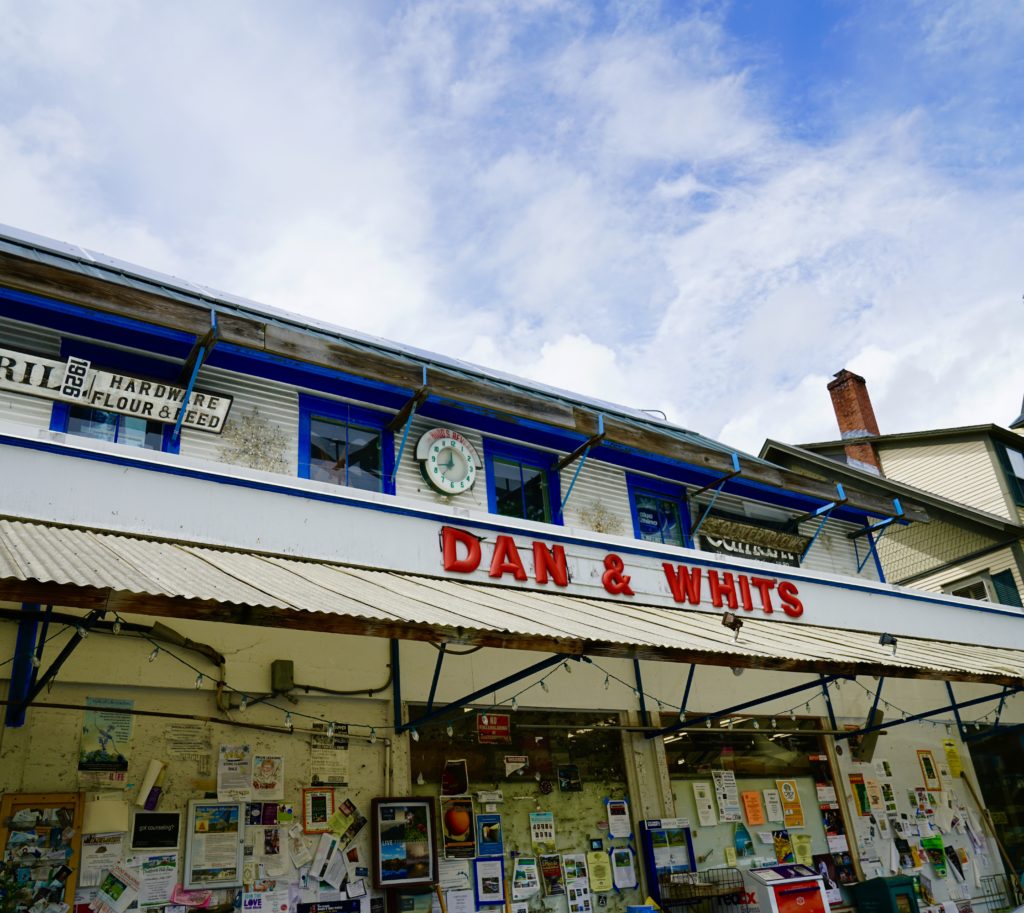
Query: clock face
point(448, 461)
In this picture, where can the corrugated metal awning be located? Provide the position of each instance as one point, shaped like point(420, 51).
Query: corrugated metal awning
point(127, 574)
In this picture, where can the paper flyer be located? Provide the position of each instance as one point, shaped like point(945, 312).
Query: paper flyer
point(727, 795)
point(234, 767)
point(328, 755)
point(267, 777)
point(772, 805)
point(457, 827)
point(618, 818)
point(551, 874)
point(801, 848)
point(119, 889)
point(454, 874)
point(578, 896)
point(100, 852)
point(489, 840)
point(574, 865)
point(542, 832)
point(525, 878)
point(783, 847)
point(705, 805)
point(158, 874)
point(623, 868)
point(599, 867)
point(792, 810)
point(106, 735)
point(952, 758)
point(752, 807)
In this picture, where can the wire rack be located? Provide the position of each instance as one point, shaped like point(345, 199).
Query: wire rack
point(701, 888)
point(996, 894)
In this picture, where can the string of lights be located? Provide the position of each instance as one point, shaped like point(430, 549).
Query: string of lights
point(510, 701)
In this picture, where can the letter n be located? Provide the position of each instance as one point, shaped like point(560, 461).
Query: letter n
point(553, 562)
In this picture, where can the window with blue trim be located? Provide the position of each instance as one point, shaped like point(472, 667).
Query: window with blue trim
point(1013, 466)
point(345, 445)
point(659, 512)
point(521, 482)
point(103, 425)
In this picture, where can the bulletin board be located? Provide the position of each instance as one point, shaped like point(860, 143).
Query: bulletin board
point(41, 835)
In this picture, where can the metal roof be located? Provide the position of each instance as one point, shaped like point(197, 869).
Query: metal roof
point(93, 569)
point(40, 249)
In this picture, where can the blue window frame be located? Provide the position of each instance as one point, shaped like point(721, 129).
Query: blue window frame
point(1012, 461)
point(521, 482)
point(99, 424)
point(660, 512)
point(345, 445)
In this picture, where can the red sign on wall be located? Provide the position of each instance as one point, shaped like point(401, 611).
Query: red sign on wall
point(494, 728)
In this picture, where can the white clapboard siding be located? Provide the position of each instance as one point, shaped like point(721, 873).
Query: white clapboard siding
point(964, 471)
point(31, 411)
point(907, 551)
point(992, 563)
point(277, 403)
point(599, 498)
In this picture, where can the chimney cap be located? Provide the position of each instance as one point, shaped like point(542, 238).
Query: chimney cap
point(844, 376)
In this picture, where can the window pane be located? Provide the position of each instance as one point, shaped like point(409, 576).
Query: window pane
point(1016, 462)
point(344, 454)
point(327, 451)
point(535, 494)
point(508, 494)
point(93, 423)
point(658, 519)
point(364, 463)
point(137, 432)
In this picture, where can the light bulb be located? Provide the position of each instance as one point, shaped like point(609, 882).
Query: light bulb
point(757, 725)
point(419, 778)
point(708, 724)
point(199, 681)
point(607, 681)
point(565, 666)
point(449, 730)
point(117, 626)
point(373, 735)
point(330, 730)
point(82, 633)
point(244, 702)
point(35, 661)
point(415, 735)
point(288, 720)
point(515, 703)
point(775, 723)
point(154, 654)
point(543, 686)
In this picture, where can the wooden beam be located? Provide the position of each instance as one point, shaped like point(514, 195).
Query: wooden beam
point(323, 622)
point(100, 293)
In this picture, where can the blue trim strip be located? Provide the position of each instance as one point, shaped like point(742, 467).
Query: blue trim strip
point(828, 703)
point(686, 690)
point(698, 560)
point(575, 475)
point(437, 674)
point(396, 684)
point(956, 710)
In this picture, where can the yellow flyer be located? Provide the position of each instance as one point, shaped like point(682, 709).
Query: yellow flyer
point(792, 810)
point(952, 758)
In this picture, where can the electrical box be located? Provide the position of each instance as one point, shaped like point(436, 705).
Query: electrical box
point(282, 676)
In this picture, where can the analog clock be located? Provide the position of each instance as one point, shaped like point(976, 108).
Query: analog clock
point(447, 460)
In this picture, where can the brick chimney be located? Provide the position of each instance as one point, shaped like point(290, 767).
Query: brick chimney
point(856, 419)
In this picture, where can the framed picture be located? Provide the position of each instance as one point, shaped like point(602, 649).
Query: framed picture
point(404, 842)
point(410, 900)
point(214, 844)
point(929, 770)
point(317, 808)
point(489, 881)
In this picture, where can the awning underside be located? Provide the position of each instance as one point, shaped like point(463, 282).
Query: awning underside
point(126, 574)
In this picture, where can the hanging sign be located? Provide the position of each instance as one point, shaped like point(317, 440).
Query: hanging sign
point(494, 728)
point(76, 381)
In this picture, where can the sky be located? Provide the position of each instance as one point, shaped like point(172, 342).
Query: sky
point(703, 208)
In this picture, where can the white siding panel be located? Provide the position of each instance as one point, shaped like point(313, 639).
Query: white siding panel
point(993, 563)
point(278, 404)
point(964, 471)
point(598, 485)
point(32, 411)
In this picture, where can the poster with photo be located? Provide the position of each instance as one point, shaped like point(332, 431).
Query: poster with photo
point(457, 827)
point(214, 844)
point(489, 881)
point(542, 832)
point(106, 735)
point(489, 839)
point(551, 874)
point(267, 777)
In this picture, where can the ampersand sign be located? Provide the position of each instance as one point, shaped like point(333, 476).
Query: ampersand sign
point(615, 582)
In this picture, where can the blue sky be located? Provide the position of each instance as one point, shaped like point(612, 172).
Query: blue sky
point(703, 208)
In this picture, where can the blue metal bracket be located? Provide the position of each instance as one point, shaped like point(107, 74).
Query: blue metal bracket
point(26, 649)
point(746, 705)
point(717, 486)
point(200, 352)
point(79, 634)
point(999, 709)
point(828, 703)
point(432, 715)
point(956, 709)
point(957, 706)
point(686, 690)
point(644, 715)
point(874, 703)
point(396, 683)
point(580, 453)
point(437, 675)
point(405, 415)
point(825, 511)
